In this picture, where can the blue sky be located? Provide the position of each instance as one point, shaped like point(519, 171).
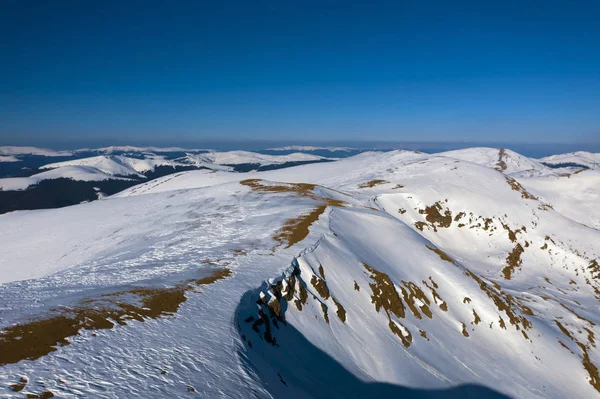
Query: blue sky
point(290, 70)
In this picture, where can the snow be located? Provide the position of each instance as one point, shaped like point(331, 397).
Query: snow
point(183, 225)
point(8, 158)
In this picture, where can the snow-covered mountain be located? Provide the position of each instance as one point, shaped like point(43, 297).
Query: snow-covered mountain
point(111, 165)
point(100, 166)
point(118, 165)
point(11, 150)
point(134, 149)
point(30, 181)
point(310, 148)
point(587, 159)
point(73, 172)
point(395, 274)
point(501, 159)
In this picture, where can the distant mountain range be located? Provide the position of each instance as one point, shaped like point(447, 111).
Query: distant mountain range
point(36, 178)
point(30, 179)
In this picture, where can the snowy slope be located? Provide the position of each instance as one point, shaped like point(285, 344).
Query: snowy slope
point(501, 159)
point(8, 158)
point(75, 172)
point(575, 195)
point(385, 274)
point(589, 159)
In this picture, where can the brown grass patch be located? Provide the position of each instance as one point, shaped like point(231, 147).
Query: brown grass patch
point(19, 386)
point(296, 230)
point(385, 296)
point(594, 269)
point(441, 254)
point(420, 225)
point(464, 330)
point(576, 314)
point(410, 291)
point(590, 368)
point(341, 312)
point(516, 186)
point(436, 297)
point(501, 165)
point(373, 183)
point(43, 395)
point(321, 271)
point(406, 340)
point(512, 234)
point(320, 286)
point(384, 293)
point(505, 303)
point(513, 261)
point(477, 318)
point(298, 189)
point(325, 315)
point(38, 337)
point(585, 358)
point(301, 189)
point(435, 218)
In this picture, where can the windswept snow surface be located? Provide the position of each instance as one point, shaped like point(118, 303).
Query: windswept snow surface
point(385, 274)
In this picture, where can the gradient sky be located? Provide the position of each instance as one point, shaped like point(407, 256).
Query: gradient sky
point(327, 70)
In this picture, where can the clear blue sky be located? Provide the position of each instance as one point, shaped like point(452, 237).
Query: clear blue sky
point(506, 71)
